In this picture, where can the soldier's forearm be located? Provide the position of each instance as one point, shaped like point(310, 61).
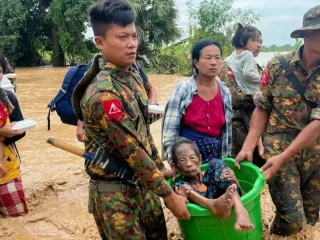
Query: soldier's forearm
point(258, 125)
point(148, 173)
point(140, 162)
point(303, 140)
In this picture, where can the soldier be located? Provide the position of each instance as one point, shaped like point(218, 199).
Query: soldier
point(290, 120)
point(112, 102)
point(151, 91)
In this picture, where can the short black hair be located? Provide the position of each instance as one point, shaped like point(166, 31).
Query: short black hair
point(3, 63)
point(196, 50)
point(177, 143)
point(243, 34)
point(107, 12)
point(3, 94)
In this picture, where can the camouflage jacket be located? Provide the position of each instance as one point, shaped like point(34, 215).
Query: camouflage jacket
point(113, 107)
point(288, 112)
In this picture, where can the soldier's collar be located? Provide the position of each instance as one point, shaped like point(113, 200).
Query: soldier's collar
point(297, 57)
point(118, 72)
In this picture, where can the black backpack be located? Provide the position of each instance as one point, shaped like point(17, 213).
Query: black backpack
point(62, 102)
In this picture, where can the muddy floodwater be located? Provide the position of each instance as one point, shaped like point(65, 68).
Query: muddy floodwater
point(55, 182)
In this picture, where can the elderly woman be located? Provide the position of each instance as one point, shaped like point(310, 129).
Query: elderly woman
point(200, 108)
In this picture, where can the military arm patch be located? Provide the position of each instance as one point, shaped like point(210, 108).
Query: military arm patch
point(113, 109)
point(264, 78)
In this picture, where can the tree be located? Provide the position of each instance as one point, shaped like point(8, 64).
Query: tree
point(156, 23)
point(68, 19)
point(217, 19)
point(31, 29)
point(12, 18)
point(284, 48)
point(35, 35)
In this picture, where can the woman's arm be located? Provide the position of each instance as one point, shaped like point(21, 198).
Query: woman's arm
point(152, 92)
point(172, 119)
point(15, 116)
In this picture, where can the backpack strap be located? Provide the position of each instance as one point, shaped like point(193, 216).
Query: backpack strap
point(70, 74)
point(295, 81)
point(72, 71)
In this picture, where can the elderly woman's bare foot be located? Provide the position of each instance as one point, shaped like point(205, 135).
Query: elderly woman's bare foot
point(243, 222)
point(222, 205)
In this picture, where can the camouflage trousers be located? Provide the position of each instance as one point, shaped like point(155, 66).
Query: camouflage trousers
point(239, 134)
point(134, 214)
point(295, 189)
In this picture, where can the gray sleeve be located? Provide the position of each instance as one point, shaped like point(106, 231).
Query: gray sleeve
point(250, 68)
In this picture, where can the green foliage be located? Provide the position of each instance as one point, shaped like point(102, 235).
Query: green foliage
point(91, 46)
point(156, 23)
point(34, 34)
point(212, 19)
point(70, 17)
point(34, 31)
point(275, 48)
point(284, 48)
point(12, 18)
point(171, 60)
point(217, 20)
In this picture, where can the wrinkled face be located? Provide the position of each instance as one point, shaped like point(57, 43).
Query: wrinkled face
point(210, 62)
point(119, 45)
point(254, 45)
point(188, 164)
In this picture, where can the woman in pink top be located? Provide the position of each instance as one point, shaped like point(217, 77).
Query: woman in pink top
point(200, 108)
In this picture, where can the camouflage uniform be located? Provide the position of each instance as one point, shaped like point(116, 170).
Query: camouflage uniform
point(114, 110)
point(295, 189)
point(239, 101)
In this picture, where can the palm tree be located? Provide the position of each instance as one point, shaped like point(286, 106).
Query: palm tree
point(156, 23)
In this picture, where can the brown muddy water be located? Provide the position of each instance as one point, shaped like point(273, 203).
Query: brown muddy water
point(55, 182)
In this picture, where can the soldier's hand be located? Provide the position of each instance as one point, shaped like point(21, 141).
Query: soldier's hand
point(177, 205)
point(272, 166)
point(243, 155)
point(80, 131)
point(167, 173)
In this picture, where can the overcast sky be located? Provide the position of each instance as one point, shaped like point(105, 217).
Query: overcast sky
point(278, 17)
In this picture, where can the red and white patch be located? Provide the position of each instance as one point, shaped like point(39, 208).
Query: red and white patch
point(113, 109)
point(264, 78)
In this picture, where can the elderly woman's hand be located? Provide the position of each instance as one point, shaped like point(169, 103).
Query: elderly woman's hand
point(229, 175)
point(183, 190)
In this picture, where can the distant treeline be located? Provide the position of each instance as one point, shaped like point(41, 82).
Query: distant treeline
point(284, 48)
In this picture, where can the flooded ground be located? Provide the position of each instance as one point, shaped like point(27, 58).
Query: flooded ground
point(55, 182)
